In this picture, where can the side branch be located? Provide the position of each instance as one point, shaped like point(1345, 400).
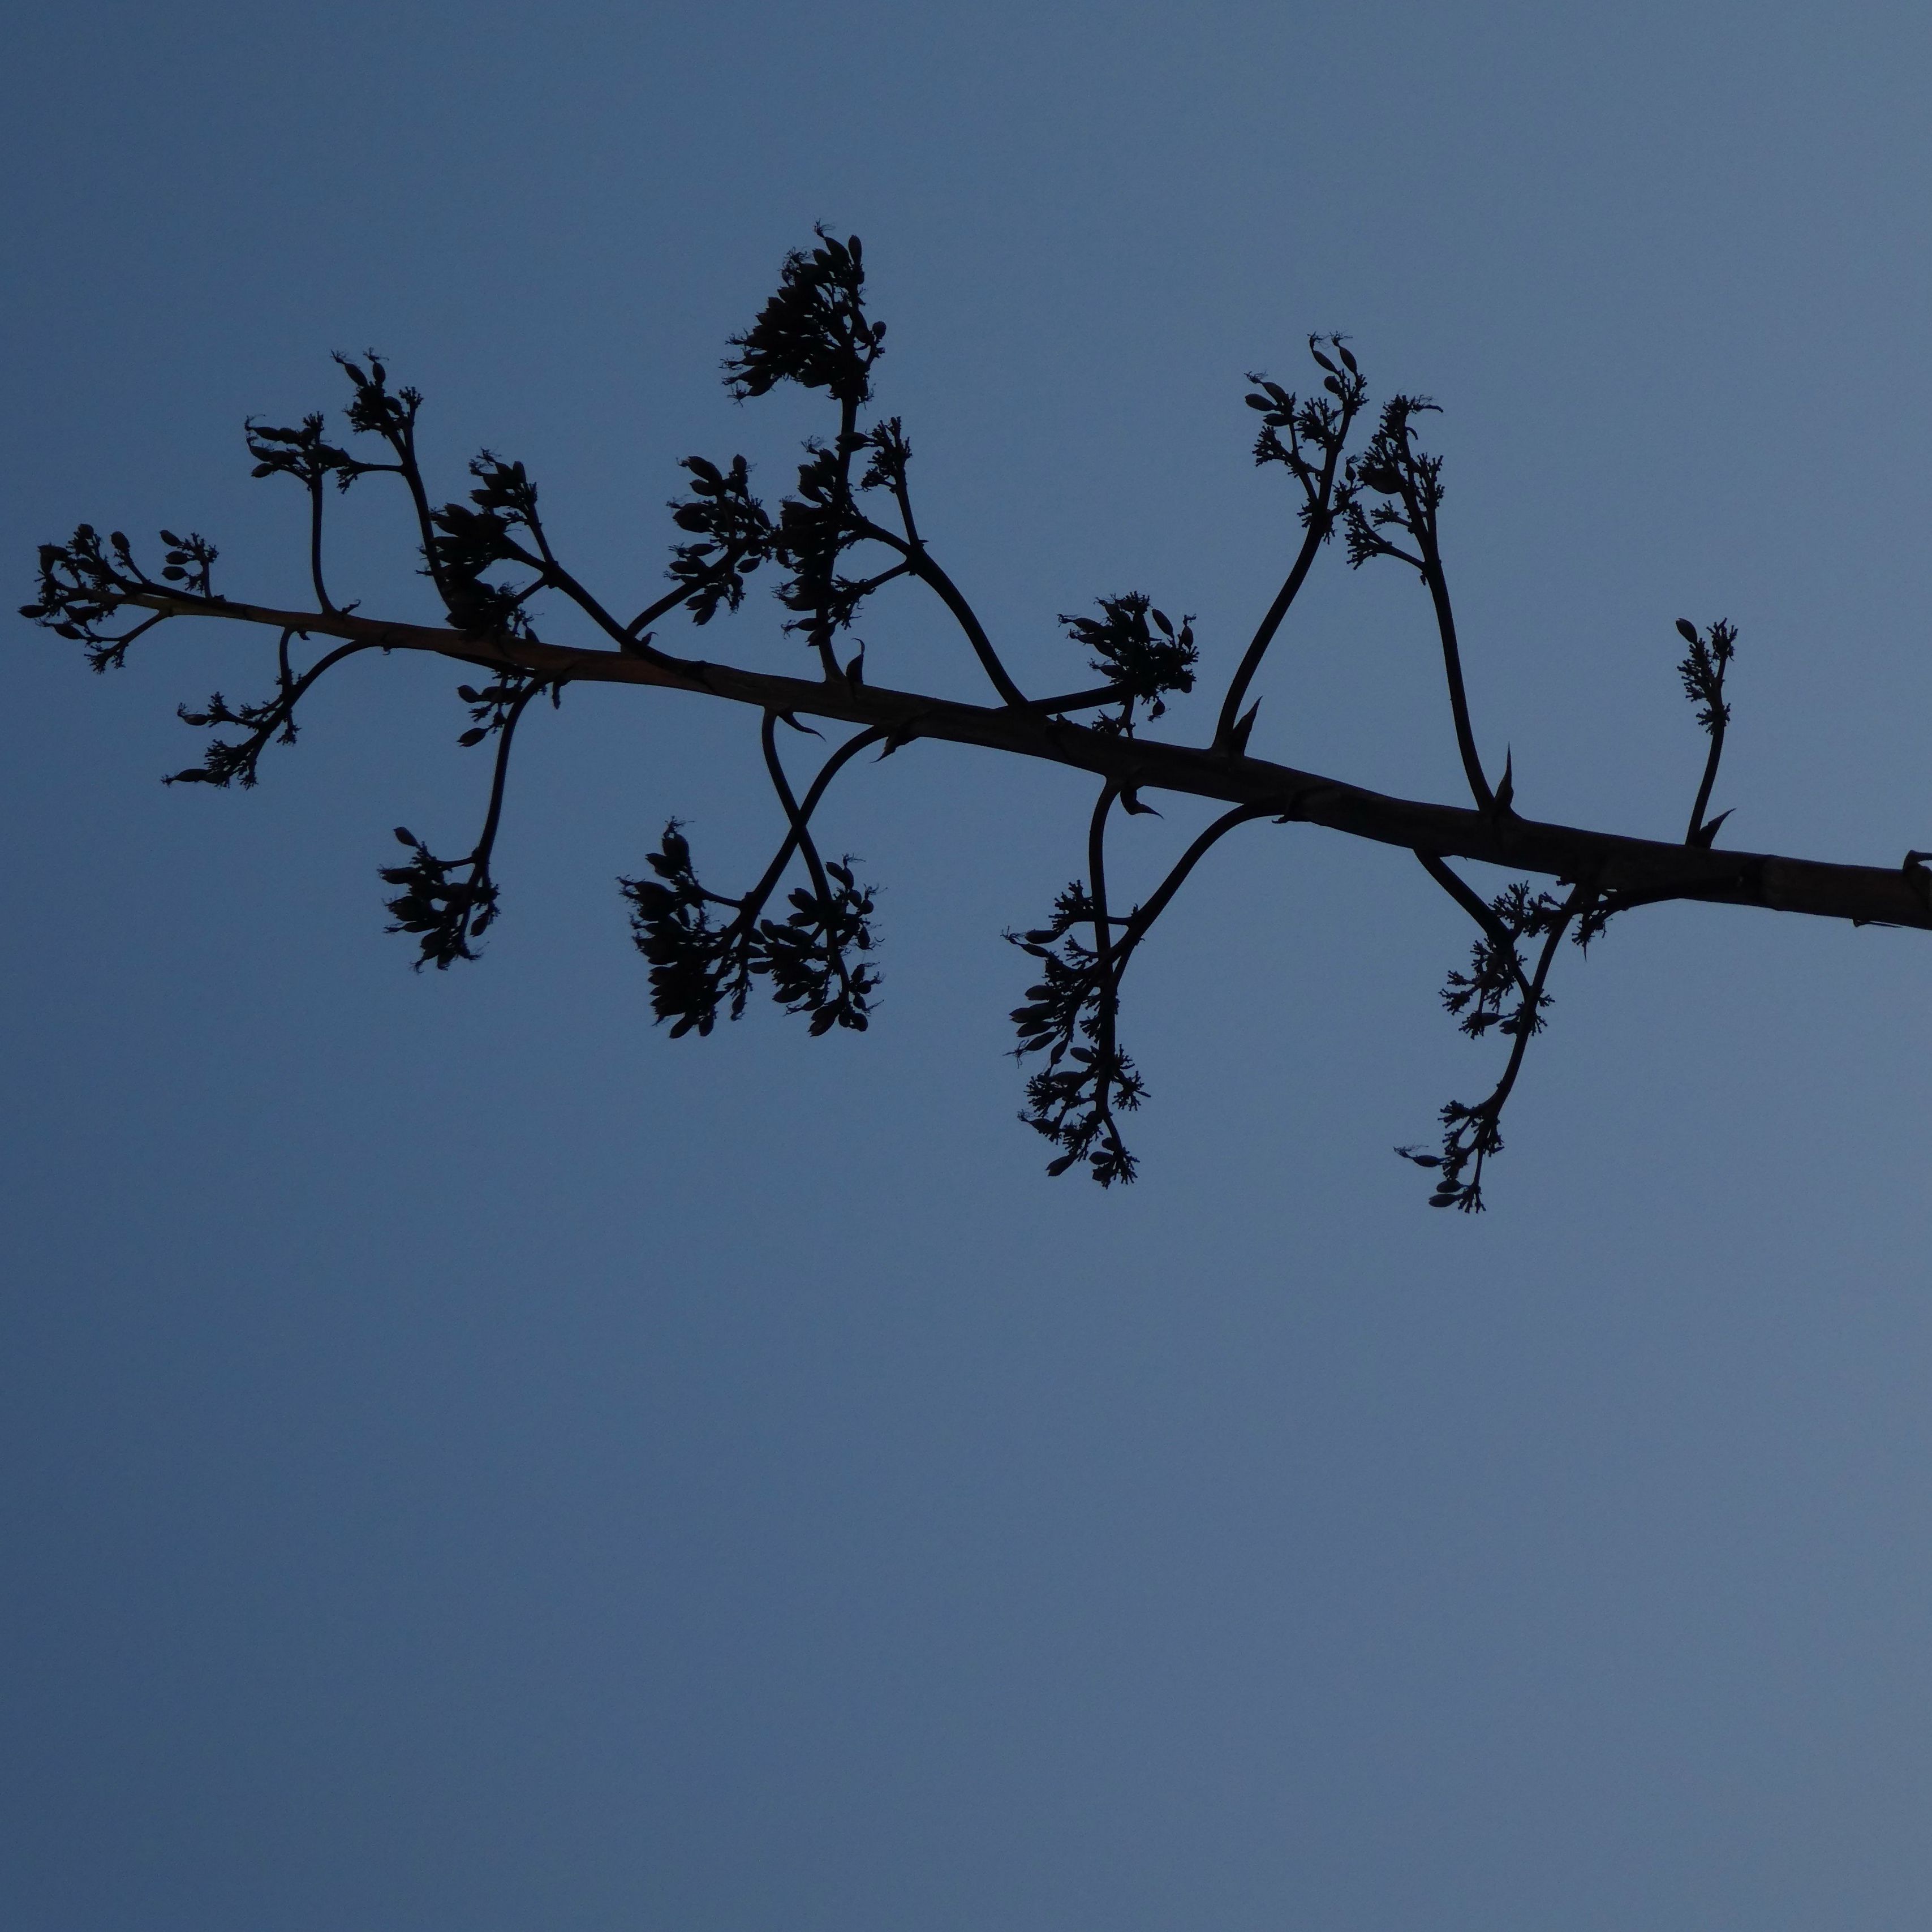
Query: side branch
point(1473, 903)
point(1139, 926)
point(1630, 871)
point(920, 562)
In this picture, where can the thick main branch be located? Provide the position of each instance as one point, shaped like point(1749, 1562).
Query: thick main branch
point(1632, 870)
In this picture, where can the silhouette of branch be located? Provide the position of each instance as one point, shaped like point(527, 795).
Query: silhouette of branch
point(1702, 671)
point(306, 454)
point(445, 914)
point(809, 951)
point(706, 950)
point(226, 762)
point(800, 815)
point(1070, 1017)
point(1472, 1135)
point(1144, 916)
point(1408, 481)
point(696, 966)
point(1072, 1014)
point(919, 560)
point(1471, 903)
point(1325, 424)
point(1866, 894)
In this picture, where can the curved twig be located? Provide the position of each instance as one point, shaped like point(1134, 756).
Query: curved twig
point(1321, 523)
point(1452, 666)
point(809, 850)
point(753, 903)
point(1466, 896)
point(1144, 916)
point(919, 560)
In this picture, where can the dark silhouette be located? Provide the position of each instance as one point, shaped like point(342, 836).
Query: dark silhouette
point(706, 949)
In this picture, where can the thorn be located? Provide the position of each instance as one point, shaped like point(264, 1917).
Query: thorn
point(1706, 833)
point(1237, 739)
point(810, 731)
point(1130, 802)
point(855, 671)
point(1506, 791)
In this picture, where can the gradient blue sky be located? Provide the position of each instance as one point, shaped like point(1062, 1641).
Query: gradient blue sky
point(473, 1463)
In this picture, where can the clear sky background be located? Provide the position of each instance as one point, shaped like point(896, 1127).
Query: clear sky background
point(472, 1462)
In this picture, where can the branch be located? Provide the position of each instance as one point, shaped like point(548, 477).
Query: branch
point(822, 923)
point(1702, 671)
point(696, 966)
point(1144, 916)
point(1452, 665)
point(1647, 870)
point(1071, 1101)
point(226, 762)
point(1328, 426)
point(377, 411)
point(919, 559)
point(800, 816)
point(814, 332)
point(1410, 481)
point(444, 917)
point(1471, 1134)
point(1465, 896)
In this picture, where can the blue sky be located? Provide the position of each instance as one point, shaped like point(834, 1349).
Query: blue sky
point(476, 1463)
